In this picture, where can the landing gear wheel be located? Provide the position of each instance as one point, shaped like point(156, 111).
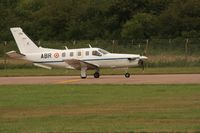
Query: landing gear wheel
point(127, 75)
point(83, 77)
point(96, 75)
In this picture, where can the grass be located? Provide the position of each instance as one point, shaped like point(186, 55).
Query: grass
point(67, 72)
point(99, 108)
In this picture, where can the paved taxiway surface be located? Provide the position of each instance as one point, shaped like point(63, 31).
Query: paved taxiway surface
point(117, 79)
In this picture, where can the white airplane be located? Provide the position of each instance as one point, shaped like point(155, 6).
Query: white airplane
point(82, 59)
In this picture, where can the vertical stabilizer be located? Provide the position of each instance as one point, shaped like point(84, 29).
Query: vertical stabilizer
point(25, 44)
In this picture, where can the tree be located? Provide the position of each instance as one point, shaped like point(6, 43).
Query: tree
point(181, 18)
point(102, 19)
point(141, 26)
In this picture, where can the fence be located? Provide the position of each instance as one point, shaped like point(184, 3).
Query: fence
point(149, 47)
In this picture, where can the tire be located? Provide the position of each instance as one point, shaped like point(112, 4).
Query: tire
point(96, 75)
point(83, 77)
point(127, 75)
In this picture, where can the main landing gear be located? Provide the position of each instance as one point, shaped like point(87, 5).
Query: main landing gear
point(96, 75)
point(84, 77)
point(83, 72)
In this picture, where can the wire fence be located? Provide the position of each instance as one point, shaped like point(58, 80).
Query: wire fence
point(148, 47)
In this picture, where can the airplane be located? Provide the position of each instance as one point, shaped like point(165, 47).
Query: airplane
point(82, 59)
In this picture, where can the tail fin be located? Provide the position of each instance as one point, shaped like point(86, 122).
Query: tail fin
point(25, 44)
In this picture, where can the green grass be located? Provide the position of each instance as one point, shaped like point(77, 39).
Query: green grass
point(99, 108)
point(67, 72)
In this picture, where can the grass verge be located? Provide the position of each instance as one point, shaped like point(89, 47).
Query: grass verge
point(102, 108)
point(67, 72)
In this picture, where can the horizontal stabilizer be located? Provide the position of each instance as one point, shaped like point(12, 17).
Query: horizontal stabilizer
point(14, 54)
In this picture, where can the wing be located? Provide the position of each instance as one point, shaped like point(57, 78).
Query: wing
point(14, 54)
point(78, 64)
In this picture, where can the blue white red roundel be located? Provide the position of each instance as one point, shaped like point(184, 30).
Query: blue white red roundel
point(56, 55)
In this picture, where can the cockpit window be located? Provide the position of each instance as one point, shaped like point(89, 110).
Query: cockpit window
point(96, 53)
point(103, 51)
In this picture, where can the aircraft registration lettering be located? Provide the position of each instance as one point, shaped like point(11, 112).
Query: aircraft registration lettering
point(46, 55)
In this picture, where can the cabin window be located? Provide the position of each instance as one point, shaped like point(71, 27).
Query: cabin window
point(71, 54)
point(87, 53)
point(63, 54)
point(96, 53)
point(79, 53)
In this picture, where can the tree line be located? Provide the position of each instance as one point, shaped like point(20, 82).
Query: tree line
point(100, 19)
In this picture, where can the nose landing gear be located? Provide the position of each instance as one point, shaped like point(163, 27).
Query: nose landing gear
point(127, 75)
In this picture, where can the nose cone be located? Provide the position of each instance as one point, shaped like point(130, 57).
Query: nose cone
point(143, 57)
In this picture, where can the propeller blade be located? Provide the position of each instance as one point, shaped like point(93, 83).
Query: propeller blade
point(141, 63)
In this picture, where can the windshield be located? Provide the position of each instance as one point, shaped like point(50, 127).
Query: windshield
point(96, 53)
point(103, 51)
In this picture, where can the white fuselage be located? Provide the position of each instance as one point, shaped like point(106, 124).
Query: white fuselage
point(56, 58)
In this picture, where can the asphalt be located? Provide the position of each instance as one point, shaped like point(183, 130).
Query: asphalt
point(108, 79)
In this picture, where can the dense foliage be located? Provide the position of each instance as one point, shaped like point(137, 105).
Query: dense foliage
point(101, 19)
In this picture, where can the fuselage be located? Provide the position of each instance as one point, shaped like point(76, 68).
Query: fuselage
point(96, 56)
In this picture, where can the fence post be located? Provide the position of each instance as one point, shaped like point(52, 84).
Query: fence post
point(170, 42)
point(74, 42)
point(5, 57)
point(186, 49)
point(113, 45)
point(146, 47)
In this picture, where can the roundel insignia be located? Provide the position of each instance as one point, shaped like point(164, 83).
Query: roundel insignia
point(56, 55)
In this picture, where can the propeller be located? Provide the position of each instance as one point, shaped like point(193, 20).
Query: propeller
point(141, 63)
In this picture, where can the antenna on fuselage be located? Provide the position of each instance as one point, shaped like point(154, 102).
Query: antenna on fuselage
point(66, 47)
point(90, 46)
